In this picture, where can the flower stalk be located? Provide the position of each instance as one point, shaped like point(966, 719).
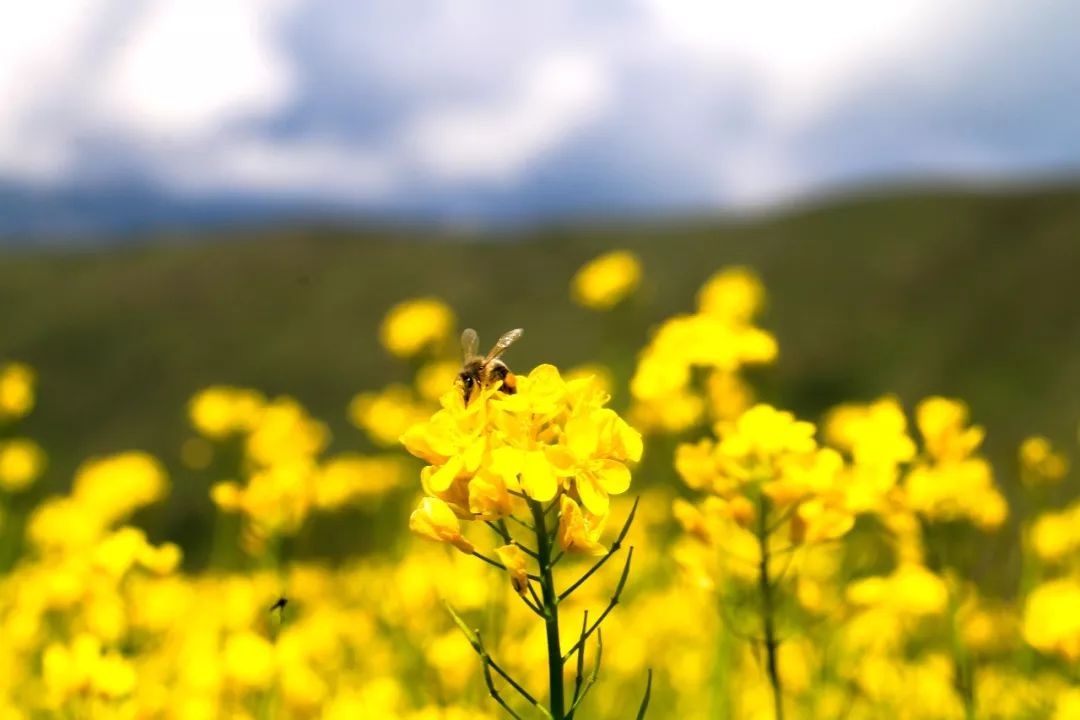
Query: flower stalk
point(551, 612)
point(768, 622)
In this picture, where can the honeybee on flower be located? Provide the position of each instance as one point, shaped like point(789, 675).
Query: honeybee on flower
point(543, 452)
point(482, 371)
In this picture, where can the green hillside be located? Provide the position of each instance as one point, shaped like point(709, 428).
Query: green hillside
point(967, 294)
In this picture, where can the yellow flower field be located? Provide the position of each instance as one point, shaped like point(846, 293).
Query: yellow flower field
point(674, 543)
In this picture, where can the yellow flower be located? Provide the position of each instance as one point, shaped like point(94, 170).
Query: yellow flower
point(956, 490)
point(220, 411)
point(578, 531)
point(114, 676)
point(113, 487)
point(942, 423)
point(1051, 623)
point(117, 553)
point(415, 325)
point(514, 559)
point(21, 462)
point(16, 391)
point(1055, 536)
point(1039, 464)
point(387, 414)
point(593, 455)
point(605, 281)
point(757, 447)
point(435, 520)
point(874, 434)
point(598, 375)
point(433, 378)
point(249, 660)
point(985, 628)
point(69, 670)
point(532, 469)
point(818, 521)
point(735, 294)
point(910, 590)
point(453, 440)
point(285, 433)
point(227, 496)
point(348, 478)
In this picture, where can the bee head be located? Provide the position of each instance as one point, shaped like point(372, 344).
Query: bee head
point(469, 382)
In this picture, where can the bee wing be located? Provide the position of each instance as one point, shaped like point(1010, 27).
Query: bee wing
point(505, 341)
point(470, 344)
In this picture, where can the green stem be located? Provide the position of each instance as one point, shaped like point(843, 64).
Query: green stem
point(551, 612)
point(767, 611)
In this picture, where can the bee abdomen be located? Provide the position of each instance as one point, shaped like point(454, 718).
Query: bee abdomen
point(509, 381)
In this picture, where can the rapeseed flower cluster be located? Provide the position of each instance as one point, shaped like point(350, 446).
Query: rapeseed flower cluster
point(549, 456)
point(809, 568)
point(277, 471)
point(552, 438)
point(718, 341)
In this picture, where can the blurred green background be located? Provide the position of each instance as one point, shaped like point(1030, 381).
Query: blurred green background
point(966, 294)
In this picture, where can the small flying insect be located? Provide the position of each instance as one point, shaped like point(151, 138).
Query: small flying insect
point(280, 604)
point(484, 371)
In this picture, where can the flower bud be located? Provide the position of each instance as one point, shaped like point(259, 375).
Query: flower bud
point(435, 520)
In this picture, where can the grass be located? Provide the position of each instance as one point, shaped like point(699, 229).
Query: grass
point(969, 294)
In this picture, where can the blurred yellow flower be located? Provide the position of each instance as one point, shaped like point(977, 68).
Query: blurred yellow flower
point(16, 391)
point(386, 415)
point(114, 677)
point(21, 462)
point(949, 482)
point(433, 378)
point(1051, 623)
point(605, 281)
point(219, 411)
point(111, 488)
point(248, 660)
point(349, 478)
point(942, 423)
point(721, 339)
point(1056, 536)
point(735, 294)
point(413, 326)
point(873, 434)
point(910, 590)
point(1040, 464)
point(285, 432)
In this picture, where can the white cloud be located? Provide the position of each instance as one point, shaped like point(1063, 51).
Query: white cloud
point(802, 54)
point(304, 169)
point(192, 66)
point(40, 44)
point(497, 139)
point(438, 104)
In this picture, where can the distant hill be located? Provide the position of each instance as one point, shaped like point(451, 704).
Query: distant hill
point(961, 293)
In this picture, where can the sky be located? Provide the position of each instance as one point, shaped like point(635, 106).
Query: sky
point(489, 109)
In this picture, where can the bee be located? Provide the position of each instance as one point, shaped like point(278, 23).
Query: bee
point(483, 371)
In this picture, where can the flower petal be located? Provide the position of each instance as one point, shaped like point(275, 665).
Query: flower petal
point(538, 478)
point(593, 497)
point(613, 476)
